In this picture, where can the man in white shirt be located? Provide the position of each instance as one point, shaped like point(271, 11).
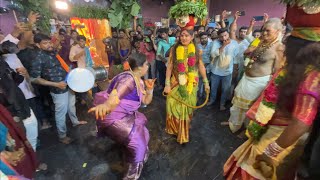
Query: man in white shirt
point(80, 53)
point(223, 66)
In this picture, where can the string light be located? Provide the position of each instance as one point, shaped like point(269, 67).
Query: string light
point(61, 5)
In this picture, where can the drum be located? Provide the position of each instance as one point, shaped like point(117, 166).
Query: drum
point(80, 80)
point(100, 73)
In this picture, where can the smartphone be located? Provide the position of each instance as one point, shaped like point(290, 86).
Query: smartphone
point(242, 13)
point(22, 19)
point(212, 24)
point(158, 24)
point(227, 22)
point(217, 18)
point(258, 18)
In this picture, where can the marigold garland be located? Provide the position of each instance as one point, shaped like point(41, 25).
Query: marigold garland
point(186, 68)
point(267, 106)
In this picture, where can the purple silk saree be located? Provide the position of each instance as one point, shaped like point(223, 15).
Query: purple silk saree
point(125, 125)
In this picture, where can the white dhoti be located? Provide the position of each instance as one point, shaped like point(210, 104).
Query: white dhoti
point(246, 92)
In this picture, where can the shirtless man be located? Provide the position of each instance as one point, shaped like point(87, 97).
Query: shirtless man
point(265, 60)
point(124, 45)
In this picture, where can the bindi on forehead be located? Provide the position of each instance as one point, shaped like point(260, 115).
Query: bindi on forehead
point(185, 32)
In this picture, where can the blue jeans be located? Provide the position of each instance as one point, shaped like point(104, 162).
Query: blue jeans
point(31, 125)
point(226, 86)
point(64, 103)
point(151, 74)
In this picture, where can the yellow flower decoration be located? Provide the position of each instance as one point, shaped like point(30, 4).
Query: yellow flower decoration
point(264, 114)
point(255, 42)
point(309, 69)
point(282, 73)
point(191, 48)
point(186, 76)
point(247, 131)
point(191, 80)
point(180, 53)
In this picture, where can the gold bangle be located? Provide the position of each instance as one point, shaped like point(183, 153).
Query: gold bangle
point(167, 83)
point(149, 91)
point(205, 81)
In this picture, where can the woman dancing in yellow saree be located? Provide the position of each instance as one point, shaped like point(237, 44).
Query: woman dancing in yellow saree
point(182, 83)
point(183, 67)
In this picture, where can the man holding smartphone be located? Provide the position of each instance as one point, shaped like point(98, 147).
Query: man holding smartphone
point(243, 45)
point(233, 28)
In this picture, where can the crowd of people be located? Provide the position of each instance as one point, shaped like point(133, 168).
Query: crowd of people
point(271, 74)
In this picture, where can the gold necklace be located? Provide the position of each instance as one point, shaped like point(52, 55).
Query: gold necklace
point(257, 53)
point(261, 49)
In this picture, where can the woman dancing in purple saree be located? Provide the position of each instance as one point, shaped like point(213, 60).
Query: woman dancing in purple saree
point(118, 117)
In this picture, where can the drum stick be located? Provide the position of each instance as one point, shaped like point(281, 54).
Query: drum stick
point(15, 16)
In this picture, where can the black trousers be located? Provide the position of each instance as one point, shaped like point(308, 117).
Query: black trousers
point(311, 156)
point(161, 69)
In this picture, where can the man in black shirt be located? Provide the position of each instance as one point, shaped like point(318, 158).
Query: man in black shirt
point(26, 55)
point(46, 70)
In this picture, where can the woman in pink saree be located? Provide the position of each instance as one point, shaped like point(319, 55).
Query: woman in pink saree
point(118, 117)
point(283, 115)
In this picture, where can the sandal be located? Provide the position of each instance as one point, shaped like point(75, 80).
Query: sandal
point(42, 167)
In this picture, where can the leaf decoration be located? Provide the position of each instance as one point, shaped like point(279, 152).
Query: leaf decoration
point(300, 3)
point(121, 12)
point(39, 6)
point(114, 22)
point(256, 130)
point(184, 8)
point(89, 12)
point(135, 9)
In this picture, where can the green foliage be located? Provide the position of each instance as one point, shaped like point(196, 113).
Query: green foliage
point(308, 3)
point(89, 12)
point(256, 131)
point(183, 91)
point(39, 6)
point(121, 12)
point(269, 104)
point(183, 8)
point(279, 79)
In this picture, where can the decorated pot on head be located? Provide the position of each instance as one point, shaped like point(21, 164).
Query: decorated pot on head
point(187, 13)
point(304, 17)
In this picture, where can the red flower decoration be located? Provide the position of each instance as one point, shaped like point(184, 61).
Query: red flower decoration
point(271, 93)
point(190, 25)
point(191, 61)
point(181, 68)
point(197, 79)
